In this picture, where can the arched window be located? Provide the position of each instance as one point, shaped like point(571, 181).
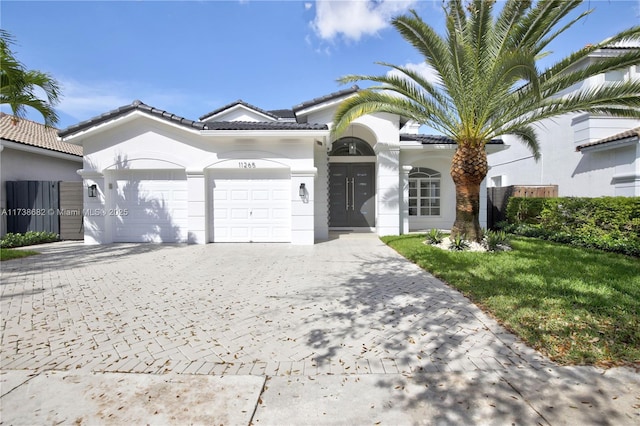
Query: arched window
point(351, 146)
point(424, 192)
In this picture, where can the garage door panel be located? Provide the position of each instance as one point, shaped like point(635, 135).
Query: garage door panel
point(282, 233)
point(220, 195)
point(239, 195)
point(260, 213)
point(251, 207)
point(221, 213)
point(239, 233)
point(281, 214)
point(282, 194)
point(260, 195)
point(239, 214)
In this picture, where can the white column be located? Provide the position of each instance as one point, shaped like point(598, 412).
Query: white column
point(404, 183)
point(98, 226)
point(321, 194)
point(388, 206)
point(196, 207)
point(483, 204)
point(302, 206)
point(3, 202)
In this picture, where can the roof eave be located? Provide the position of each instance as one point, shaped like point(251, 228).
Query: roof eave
point(18, 146)
point(265, 133)
point(604, 146)
point(324, 101)
point(76, 137)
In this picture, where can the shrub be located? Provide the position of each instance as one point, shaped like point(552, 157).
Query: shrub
point(524, 210)
point(458, 243)
point(606, 223)
point(496, 240)
point(434, 236)
point(28, 238)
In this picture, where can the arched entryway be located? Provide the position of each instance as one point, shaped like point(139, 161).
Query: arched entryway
point(352, 184)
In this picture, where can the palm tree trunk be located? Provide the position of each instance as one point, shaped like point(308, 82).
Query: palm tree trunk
point(468, 169)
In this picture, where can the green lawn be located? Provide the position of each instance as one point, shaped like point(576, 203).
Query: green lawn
point(575, 305)
point(8, 254)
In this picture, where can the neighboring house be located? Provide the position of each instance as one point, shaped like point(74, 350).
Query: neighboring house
point(584, 154)
point(30, 151)
point(244, 174)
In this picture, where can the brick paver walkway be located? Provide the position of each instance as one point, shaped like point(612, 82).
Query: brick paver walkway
point(350, 305)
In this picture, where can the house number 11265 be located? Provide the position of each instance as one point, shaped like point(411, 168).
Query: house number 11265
point(246, 165)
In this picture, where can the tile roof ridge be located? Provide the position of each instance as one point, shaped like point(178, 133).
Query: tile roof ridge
point(238, 102)
point(3, 114)
point(353, 89)
point(135, 105)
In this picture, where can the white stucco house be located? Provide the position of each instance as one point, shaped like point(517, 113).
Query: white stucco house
point(30, 151)
point(584, 154)
point(244, 174)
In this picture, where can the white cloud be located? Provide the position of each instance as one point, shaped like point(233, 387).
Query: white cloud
point(354, 18)
point(308, 6)
point(84, 100)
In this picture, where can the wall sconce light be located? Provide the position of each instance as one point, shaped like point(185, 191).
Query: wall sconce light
point(352, 148)
point(92, 190)
point(303, 191)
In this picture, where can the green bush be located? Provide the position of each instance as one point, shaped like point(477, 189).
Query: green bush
point(28, 238)
point(434, 236)
point(606, 223)
point(496, 240)
point(524, 210)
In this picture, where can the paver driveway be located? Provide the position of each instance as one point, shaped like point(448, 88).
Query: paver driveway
point(348, 305)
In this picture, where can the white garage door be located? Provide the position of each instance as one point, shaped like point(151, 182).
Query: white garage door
point(150, 206)
point(251, 206)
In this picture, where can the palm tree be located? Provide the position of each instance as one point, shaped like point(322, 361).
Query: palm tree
point(18, 85)
point(488, 84)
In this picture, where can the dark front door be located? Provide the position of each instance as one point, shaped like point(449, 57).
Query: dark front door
point(352, 194)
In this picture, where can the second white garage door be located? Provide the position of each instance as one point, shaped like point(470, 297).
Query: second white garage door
point(251, 206)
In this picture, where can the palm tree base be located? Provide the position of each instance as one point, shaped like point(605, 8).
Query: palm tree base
point(468, 170)
point(468, 227)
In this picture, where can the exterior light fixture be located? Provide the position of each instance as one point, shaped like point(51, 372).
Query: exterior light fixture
point(352, 148)
point(92, 190)
point(303, 191)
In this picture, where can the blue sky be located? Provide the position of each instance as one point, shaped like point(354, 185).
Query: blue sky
point(194, 56)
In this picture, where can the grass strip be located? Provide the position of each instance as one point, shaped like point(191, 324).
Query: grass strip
point(8, 254)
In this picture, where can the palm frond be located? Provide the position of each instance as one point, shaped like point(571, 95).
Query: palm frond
point(368, 101)
point(18, 85)
point(528, 136)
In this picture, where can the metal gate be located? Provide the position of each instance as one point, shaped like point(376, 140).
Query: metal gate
point(45, 206)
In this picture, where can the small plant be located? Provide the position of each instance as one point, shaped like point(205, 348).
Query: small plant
point(496, 240)
point(434, 236)
point(458, 243)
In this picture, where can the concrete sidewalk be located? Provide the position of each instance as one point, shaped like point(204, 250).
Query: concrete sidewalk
point(557, 396)
point(342, 332)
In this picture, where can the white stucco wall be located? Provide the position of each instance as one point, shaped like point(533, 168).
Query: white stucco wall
point(16, 164)
point(584, 174)
point(587, 173)
point(144, 143)
point(440, 161)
